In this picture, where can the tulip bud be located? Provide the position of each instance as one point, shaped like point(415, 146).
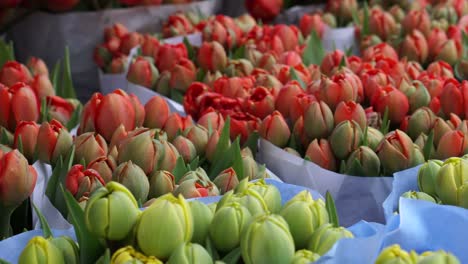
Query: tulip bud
point(143, 72)
point(81, 182)
point(396, 152)
point(415, 47)
point(261, 102)
point(129, 41)
point(89, 146)
point(304, 215)
point(286, 95)
point(138, 147)
point(105, 166)
point(13, 72)
point(350, 111)
point(161, 182)
point(394, 254)
point(270, 194)
point(440, 129)
point(249, 198)
point(450, 51)
point(304, 256)
point(318, 120)
point(129, 255)
point(157, 112)
point(439, 256)
point(320, 153)
point(341, 87)
point(421, 121)
point(393, 100)
point(42, 86)
point(174, 124)
point(212, 145)
point(190, 253)
point(185, 148)
point(182, 75)
point(417, 20)
point(226, 180)
point(212, 56)
point(275, 129)
point(26, 132)
point(345, 138)
point(418, 196)
point(192, 189)
point(169, 54)
point(267, 231)
point(451, 98)
point(323, 239)
point(250, 167)
point(19, 103)
point(309, 23)
point(198, 174)
point(53, 141)
point(374, 136)
point(111, 212)
point(202, 216)
point(212, 119)
point(239, 68)
point(363, 162)
point(452, 144)
point(68, 248)
point(450, 182)
point(40, 250)
point(198, 135)
point(264, 10)
point(174, 219)
point(134, 178)
point(37, 66)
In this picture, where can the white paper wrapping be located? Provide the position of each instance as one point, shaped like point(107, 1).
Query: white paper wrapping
point(144, 94)
point(340, 38)
point(46, 35)
point(195, 39)
point(356, 198)
point(40, 199)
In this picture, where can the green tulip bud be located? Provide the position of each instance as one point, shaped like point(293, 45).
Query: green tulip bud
point(427, 176)
point(250, 167)
point(128, 255)
point(269, 192)
point(304, 256)
point(188, 253)
point(174, 226)
point(345, 138)
point(267, 240)
point(212, 207)
point(374, 136)
point(111, 212)
point(325, 237)
point(249, 198)
point(68, 247)
point(304, 215)
point(202, 216)
point(198, 174)
point(161, 182)
point(394, 254)
point(363, 162)
point(39, 250)
point(421, 142)
point(452, 182)
point(438, 257)
point(134, 178)
point(230, 219)
point(418, 196)
point(226, 180)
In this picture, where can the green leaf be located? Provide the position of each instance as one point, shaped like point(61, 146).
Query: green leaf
point(355, 169)
point(190, 50)
point(343, 167)
point(106, 258)
point(239, 53)
point(428, 146)
point(465, 44)
point(237, 163)
point(6, 53)
point(194, 163)
point(385, 122)
point(342, 62)
point(68, 91)
point(224, 140)
point(331, 209)
point(456, 70)
point(54, 76)
point(180, 169)
point(177, 96)
point(252, 142)
point(294, 76)
point(314, 51)
point(2, 261)
point(90, 247)
point(211, 248)
point(20, 145)
point(46, 232)
point(365, 137)
point(75, 118)
point(349, 51)
point(232, 257)
point(5, 139)
point(365, 23)
point(201, 73)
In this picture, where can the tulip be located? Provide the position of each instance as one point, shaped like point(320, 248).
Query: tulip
point(19, 103)
point(40, 250)
point(304, 256)
point(174, 218)
point(174, 124)
point(249, 198)
point(134, 178)
point(82, 182)
point(53, 141)
point(415, 47)
point(318, 120)
point(177, 25)
point(128, 255)
point(42, 86)
point(261, 103)
point(363, 162)
point(343, 9)
point(169, 55)
point(250, 167)
point(104, 114)
point(116, 30)
point(270, 193)
point(309, 23)
point(320, 153)
point(275, 129)
point(285, 96)
point(129, 41)
point(396, 152)
point(161, 182)
point(350, 111)
point(26, 132)
point(13, 72)
point(245, 22)
point(157, 111)
point(89, 146)
point(212, 119)
point(102, 54)
point(61, 109)
point(226, 180)
point(439, 256)
point(264, 10)
point(111, 212)
point(185, 148)
point(331, 62)
point(193, 188)
point(234, 87)
point(450, 182)
point(117, 65)
point(345, 138)
point(374, 136)
point(211, 77)
point(421, 121)
point(212, 56)
point(202, 217)
point(190, 253)
point(462, 68)
point(105, 167)
point(446, 12)
point(440, 129)
point(198, 174)
point(139, 148)
point(451, 98)
point(150, 46)
point(452, 144)
point(420, 97)
point(37, 66)
point(198, 135)
point(239, 68)
point(323, 239)
point(418, 196)
point(441, 69)
point(68, 248)
point(300, 104)
point(143, 72)
point(393, 100)
point(182, 75)
point(394, 254)
point(373, 80)
point(379, 51)
point(304, 215)
point(417, 20)
point(212, 145)
point(344, 86)
point(382, 24)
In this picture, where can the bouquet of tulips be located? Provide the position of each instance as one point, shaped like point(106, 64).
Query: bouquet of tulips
point(262, 229)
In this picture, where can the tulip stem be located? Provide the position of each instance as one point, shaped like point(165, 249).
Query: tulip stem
point(5, 228)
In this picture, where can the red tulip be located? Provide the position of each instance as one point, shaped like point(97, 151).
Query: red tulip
point(129, 41)
point(320, 153)
point(156, 112)
point(452, 144)
point(415, 47)
point(373, 80)
point(309, 23)
point(19, 103)
point(417, 20)
point(82, 182)
point(150, 46)
point(143, 72)
point(177, 25)
point(37, 66)
point(433, 83)
point(169, 54)
point(382, 50)
point(105, 166)
point(117, 30)
point(53, 141)
point(275, 129)
point(300, 104)
point(89, 146)
point(435, 39)
point(212, 56)
point(260, 103)
point(288, 35)
point(13, 72)
point(27, 131)
point(191, 103)
point(243, 124)
point(235, 87)
point(392, 99)
point(42, 86)
point(183, 74)
point(382, 24)
point(264, 9)
point(60, 109)
point(350, 111)
point(175, 123)
point(331, 62)
point(341, 87)
point(212, 119)
point(441, 69)
point(413, 69)
point(117, 64)
point(452, 99)
point(286, 95)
